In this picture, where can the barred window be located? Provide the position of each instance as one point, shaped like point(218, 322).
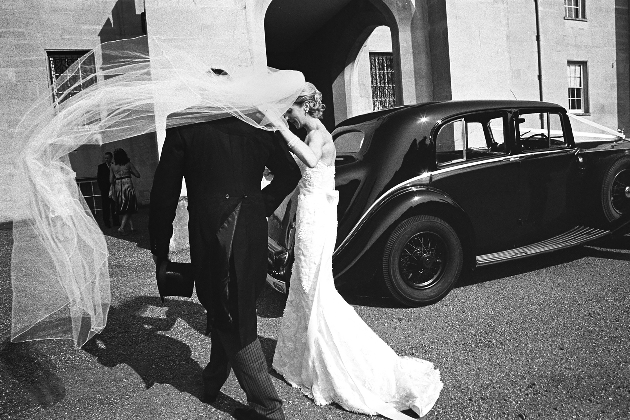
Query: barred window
point(64, 87)
point(578, 98)
point(574, 9)
point(382, 77)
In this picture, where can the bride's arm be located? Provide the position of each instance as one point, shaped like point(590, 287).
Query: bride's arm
point(309, 153)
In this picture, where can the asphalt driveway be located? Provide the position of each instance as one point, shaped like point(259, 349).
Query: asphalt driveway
point(547, 337)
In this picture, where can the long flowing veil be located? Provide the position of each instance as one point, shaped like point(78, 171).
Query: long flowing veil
point(59, 266)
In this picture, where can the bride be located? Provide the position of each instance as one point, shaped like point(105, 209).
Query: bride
point(324, 348)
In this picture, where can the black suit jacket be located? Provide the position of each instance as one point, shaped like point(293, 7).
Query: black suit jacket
point(102, 178)
point(222, 162)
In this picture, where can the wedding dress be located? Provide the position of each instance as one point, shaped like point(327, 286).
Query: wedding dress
point(324, 348)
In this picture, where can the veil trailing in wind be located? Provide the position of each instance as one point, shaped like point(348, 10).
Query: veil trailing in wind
point(59, 266)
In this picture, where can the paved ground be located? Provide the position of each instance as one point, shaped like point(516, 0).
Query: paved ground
point(544, 338)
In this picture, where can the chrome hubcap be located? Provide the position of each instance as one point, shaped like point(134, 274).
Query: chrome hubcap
point(422, 260)
point(620, 194)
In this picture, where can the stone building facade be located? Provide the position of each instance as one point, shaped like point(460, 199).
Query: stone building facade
point(439, 50)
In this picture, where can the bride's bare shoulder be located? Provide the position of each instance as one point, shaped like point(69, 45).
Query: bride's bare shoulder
point(322, 135)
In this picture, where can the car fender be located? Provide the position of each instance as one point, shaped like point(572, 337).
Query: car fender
point(387, 212)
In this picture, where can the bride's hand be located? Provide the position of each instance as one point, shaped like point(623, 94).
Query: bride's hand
point(274, 117)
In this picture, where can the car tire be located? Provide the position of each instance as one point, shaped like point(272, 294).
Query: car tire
point(615, 190)
point(422, 261)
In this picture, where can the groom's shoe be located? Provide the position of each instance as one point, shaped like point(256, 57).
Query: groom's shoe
point(210, 397)
point(213, 377)
point(248, 414)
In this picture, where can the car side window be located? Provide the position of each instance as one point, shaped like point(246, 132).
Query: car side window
point(476, 136)
point(485, 137)
point(496, 127)
point(471, 137)
point(449, 143)
point(349, 142)
point(540, 131)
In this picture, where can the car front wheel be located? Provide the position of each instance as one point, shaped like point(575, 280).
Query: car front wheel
point(423, 260)
point(615, 190)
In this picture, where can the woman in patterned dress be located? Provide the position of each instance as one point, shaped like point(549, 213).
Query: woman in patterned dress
point(123, 192)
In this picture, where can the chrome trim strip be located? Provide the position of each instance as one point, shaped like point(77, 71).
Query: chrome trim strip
point(572, 237)
point(566, 150)
point(278, 285)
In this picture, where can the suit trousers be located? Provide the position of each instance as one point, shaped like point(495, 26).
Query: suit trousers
point(246, 359)
point(250, 368)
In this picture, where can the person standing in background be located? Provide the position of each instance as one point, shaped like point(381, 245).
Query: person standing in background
point(102, 179)
point(124, 193)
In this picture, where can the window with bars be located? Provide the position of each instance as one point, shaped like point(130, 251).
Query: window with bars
point(578, 98)
point(574, 9)
point(77, 79)
point(382, 77)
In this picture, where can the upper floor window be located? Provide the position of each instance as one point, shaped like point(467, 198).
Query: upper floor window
point(574, 9)
point(65, 86)
point(382, 80)
point(577, 82)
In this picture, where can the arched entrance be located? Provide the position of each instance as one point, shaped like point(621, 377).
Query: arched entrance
point(322, 39)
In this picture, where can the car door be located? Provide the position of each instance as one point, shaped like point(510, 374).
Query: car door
point(548, 174)
point(477, 171)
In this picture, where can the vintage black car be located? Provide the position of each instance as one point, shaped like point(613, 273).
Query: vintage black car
point(430, 190)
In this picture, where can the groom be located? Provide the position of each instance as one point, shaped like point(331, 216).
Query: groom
point(222, 162)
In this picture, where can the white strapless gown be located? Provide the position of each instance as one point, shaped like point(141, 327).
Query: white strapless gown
point(324, 348)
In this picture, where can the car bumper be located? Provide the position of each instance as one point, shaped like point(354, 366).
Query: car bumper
point(277, 265)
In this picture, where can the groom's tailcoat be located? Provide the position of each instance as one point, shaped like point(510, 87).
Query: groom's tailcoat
point(222, 162)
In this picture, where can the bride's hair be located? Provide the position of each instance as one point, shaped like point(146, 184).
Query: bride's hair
point(313, 99)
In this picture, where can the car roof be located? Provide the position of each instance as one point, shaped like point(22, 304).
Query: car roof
point(446, 108)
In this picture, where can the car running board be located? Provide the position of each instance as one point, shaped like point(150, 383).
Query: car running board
point(576, 236)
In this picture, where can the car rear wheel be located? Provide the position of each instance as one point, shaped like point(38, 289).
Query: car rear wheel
point(615, 190)
point(422, 261)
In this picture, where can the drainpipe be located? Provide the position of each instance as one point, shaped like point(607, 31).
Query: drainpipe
point(540, 85)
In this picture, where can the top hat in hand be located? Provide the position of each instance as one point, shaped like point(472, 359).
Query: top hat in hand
point(174, 279)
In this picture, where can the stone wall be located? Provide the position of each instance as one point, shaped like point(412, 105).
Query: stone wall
point(27, 31)
point(493, 53)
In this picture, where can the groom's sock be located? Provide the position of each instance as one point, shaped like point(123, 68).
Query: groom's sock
point(251, 370)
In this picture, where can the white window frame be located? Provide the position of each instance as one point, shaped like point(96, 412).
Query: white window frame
point(574, 9)
point(81, 74)
point(383, 80)
point(577, 83)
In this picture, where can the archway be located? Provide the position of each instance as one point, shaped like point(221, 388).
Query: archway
point(322, 39)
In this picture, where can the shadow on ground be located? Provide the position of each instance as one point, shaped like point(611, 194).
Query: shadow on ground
point(140, 236)
point(137, 340)
point(28, 379)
